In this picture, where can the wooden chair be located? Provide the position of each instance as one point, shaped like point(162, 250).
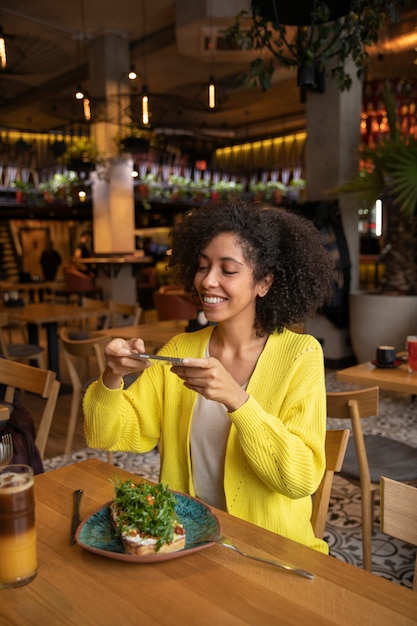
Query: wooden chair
point(336, 444)
point(103, 313)
point(23, 352)
point(122, 314)
point(42, 382)
point(174, 307)
point(368, 457)
point(75, 353)
point(399, 513)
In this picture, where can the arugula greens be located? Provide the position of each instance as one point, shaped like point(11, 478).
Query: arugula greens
point(147, 508)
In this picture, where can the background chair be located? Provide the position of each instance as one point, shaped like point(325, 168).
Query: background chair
point(24, 351)
point(76, 354)
point(336, 444)
point(399, 513)
point(369, 457)
point(42, 382)
point(78, 285)
point(122, 314)
point(174, 307)
point(103, 314)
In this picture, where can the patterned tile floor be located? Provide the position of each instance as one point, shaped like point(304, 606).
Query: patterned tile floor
point(391, 558)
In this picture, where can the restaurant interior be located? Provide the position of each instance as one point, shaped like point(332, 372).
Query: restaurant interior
point(116, 119)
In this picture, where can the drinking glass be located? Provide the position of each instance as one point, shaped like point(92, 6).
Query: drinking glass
point(412, 353)
point(18, 554)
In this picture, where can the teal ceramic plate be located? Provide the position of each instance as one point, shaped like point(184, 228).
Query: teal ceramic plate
point(96, 532)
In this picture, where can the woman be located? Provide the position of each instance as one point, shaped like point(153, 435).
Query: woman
point(241, 422)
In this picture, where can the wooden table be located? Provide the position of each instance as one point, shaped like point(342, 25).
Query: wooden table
point(367, 375)
point(49, 314)
point(154, 334)
point(35, 289)
point(213, 586)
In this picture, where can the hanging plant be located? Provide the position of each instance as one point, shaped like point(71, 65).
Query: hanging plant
point(308, 34)
point(81, 156)
point(58, 148)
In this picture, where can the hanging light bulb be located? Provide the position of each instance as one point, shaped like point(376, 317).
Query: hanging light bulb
point(145, 106)
point(211, 93)
point(132, 73)
point(79, 94)
point(3, 56)
point(87, 109)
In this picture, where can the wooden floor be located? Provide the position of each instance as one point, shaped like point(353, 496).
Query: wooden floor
point(56, 440)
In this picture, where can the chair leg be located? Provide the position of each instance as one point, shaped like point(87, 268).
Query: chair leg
point(75, 405)
point(110, 458)
point(367, 524)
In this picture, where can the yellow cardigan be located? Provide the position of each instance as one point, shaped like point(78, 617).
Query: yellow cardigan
point(275, 455)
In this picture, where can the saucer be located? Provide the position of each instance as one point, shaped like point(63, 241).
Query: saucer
point(386, 367)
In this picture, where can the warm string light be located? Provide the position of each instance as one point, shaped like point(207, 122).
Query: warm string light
point(3, 56)
point(145, 107)
point(212, 93)
point(79, 94)
point(132, 73)
point(87, 109)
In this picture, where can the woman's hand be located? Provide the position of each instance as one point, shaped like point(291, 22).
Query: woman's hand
point(212, 380)
point(119, 363)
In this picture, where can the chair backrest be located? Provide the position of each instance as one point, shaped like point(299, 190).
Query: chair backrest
point(174, 307)
point(103, 312)
point(399, 513)
point(355, 405)
point(4, 320)
point(120, 310)
point(336, 444)
point(82, 349)
point(35, 380)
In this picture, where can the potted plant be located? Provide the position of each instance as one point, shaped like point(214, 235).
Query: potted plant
point(390, 173)
point(59, 187)
point(24, 191)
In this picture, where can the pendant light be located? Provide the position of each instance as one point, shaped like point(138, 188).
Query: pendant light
point(3, 55)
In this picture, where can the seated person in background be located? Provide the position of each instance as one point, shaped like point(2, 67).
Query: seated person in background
point(50, 261)
point(241, 422)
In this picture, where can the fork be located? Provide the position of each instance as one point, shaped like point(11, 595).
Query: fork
point(227, 543)
point(6, 449)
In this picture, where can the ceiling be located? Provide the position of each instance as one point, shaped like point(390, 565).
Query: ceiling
point(48, 43)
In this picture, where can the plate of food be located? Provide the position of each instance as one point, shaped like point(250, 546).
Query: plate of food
point(148, 523)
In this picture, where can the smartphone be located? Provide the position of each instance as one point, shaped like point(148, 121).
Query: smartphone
point(172, 360)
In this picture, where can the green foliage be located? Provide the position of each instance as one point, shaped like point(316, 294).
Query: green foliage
point(316, 44)
point(392, 168)
point(84, 150)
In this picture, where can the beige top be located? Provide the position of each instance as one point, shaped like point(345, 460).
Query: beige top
point(210, 426)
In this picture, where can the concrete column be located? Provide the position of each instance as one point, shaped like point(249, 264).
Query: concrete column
point(112, 189)
point(333, 136)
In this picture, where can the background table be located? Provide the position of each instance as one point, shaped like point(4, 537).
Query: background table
point(49, 314)
point(393, 379)
point(213, 586)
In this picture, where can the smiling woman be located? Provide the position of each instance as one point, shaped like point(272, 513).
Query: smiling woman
point(248, 398)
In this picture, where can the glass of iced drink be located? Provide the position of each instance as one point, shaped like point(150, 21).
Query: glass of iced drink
point(18, 558)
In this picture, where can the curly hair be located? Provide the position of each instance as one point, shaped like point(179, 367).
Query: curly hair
point(274, 241)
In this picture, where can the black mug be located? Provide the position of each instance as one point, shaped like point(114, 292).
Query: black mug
point(385, 355)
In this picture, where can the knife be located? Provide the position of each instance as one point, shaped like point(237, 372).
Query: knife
point(75, 522)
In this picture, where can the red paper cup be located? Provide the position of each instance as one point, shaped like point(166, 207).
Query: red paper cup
point(412, 353)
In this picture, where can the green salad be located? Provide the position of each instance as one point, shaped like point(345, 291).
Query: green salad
point(149, 509)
